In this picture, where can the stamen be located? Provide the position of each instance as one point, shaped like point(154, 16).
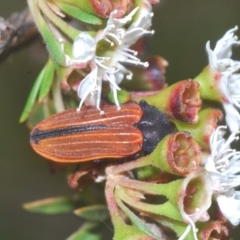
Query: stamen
point(114, 36)
point(102, 65)
point(146, 64)
point(152, 32)
point(135, 53)
point(129, 76)
point(109, 41)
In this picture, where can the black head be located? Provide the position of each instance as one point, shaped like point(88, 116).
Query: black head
point(154, 126)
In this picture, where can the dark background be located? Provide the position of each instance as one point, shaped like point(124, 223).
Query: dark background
point(182, 29)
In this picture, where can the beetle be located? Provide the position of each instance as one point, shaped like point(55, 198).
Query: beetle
point(72, 136)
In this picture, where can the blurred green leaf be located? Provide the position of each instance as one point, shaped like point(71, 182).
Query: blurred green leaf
point(32, 96)
point(96, 190)
point(53, 205)
point(79, 14)
point(88, 231)
point(47, 80)
point(93, 213)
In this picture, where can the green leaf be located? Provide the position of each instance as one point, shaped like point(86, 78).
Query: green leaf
point(79, 14)
point(88, 231)
point(136, 221)
point(54, 47)
point(93, 213)
point(47, 80)
point(33, 96)
point(53, 205)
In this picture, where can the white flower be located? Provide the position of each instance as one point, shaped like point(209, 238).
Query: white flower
point(106, 64)
point(229, 84)
point(230, 207)
point(223, 166)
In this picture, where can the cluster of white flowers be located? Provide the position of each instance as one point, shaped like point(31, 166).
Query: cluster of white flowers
point(109, 65)
point(229, 84)
point(223, 166)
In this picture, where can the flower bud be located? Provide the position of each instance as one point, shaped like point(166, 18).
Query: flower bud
point(195, 196)
point(179, 101)
point(148, 79)
point(209, 84)
point(177, 153)
point(203, 129)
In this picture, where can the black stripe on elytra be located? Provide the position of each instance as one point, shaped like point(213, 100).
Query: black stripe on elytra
point(38, 135)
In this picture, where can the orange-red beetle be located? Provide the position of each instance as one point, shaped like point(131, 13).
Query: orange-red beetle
point(72, 136)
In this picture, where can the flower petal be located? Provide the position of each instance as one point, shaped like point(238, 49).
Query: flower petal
point(84, 46)
point(230, 208)
point(232, 117)
point(87, 86)
point(223, 47)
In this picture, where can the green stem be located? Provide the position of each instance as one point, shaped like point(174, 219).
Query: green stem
point(112, 205)
point(170, 190)
point(46, 107)
point(128, 166)
point(57, 95)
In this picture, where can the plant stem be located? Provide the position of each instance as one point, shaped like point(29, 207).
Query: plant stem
point(125, 167)
point(57, 95)
point(166, 209)
point(112, 205)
